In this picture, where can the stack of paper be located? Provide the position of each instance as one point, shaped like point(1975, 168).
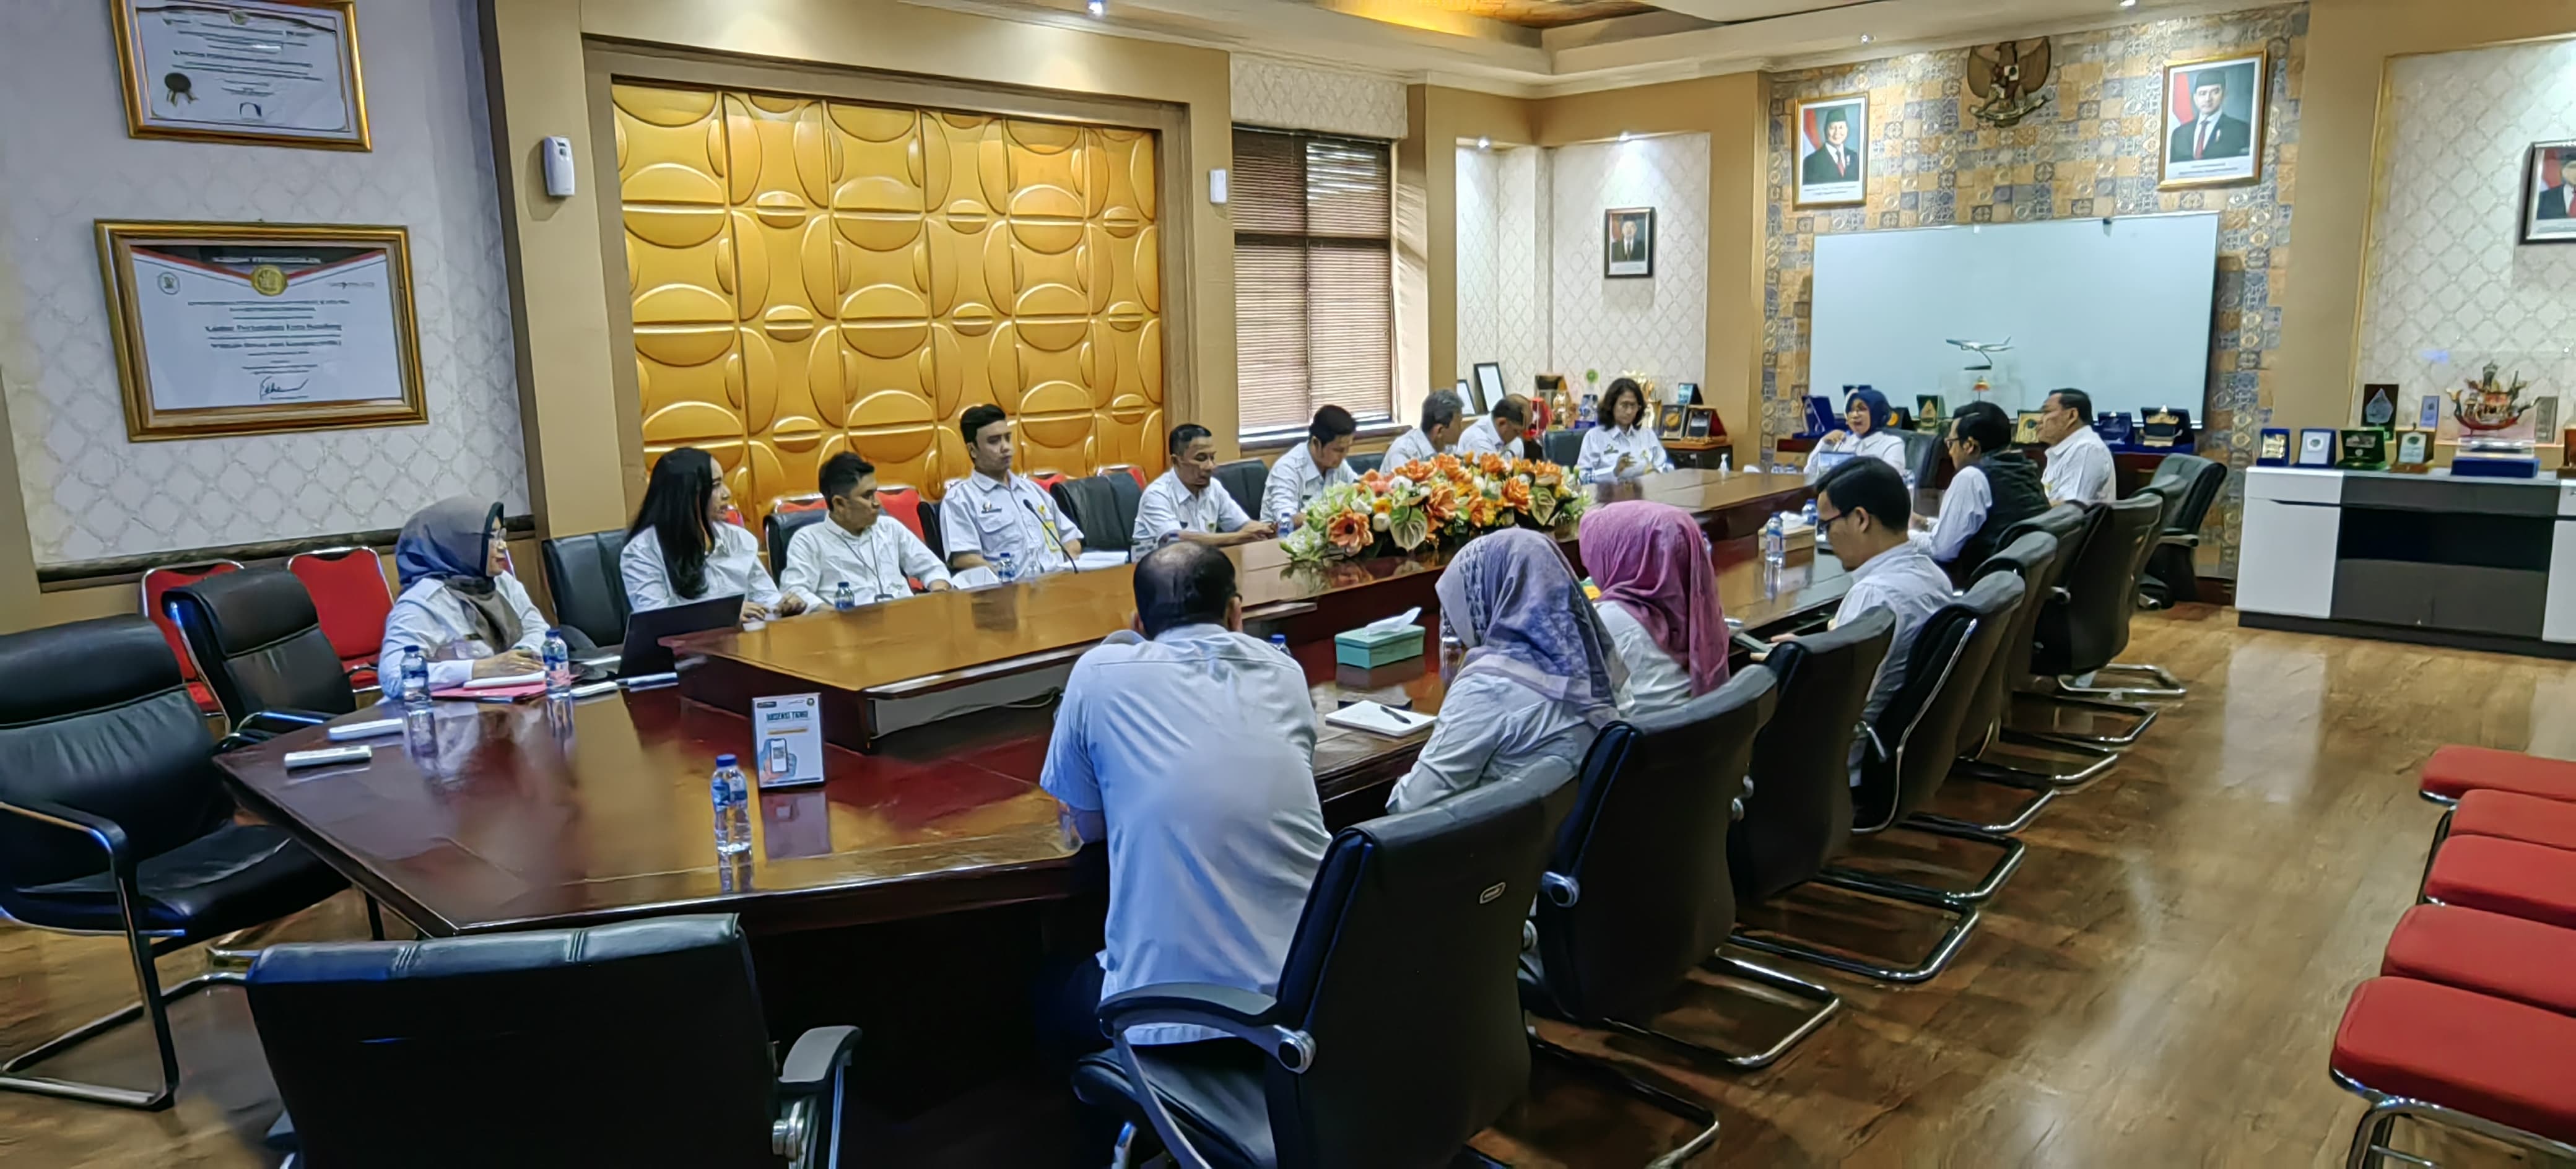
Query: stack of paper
point(1380, 720)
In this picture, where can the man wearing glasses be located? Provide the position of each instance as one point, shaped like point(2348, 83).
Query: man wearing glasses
point(1863, 508)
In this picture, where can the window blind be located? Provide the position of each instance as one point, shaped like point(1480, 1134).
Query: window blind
point(1314, 277)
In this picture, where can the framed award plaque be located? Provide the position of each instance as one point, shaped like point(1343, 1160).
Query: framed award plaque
point(2364, 449)
point(2274, 450)
point(2316, 447)
point(271, 72)
point(2414, 452)
point(2379, 404)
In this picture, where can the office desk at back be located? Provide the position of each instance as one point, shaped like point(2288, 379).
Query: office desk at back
point(521, 817)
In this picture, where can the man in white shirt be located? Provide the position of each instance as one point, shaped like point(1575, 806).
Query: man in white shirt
point(1995, 487)
point(1190, 748)
point(1322, 461)
point(1001, 522)
point(1498, 433)
point(856, 546)
point(1185, 503)
point(1864, 508)
point(1440, 424)
point(2079, 464)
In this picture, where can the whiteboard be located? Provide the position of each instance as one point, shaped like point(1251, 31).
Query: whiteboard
point(2118, 308)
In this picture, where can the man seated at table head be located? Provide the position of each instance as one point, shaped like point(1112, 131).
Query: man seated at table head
point(1442, 419)
point(2079, 463)
point(1189, 747)
point(1185, 503)
point(1995, 487)
point(856, 547)
point(1863, 508)
point(1498, 433)
point(1321, 461)
point(997, 521)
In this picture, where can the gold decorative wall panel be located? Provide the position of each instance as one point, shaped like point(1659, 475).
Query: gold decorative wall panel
point(810, 275)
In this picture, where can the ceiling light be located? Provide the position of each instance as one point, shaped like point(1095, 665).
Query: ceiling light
point(1623, 135)
point(1484, 143)
point(1865, 38)
point(1100, 7)
point(2128, 3)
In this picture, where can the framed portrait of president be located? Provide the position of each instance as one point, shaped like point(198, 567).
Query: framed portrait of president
point(2549, 193)
point(1830, 167)
point(1628, 243)
point(2213, 121)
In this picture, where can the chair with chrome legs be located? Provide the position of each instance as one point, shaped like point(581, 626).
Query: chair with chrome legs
point(114, 821)
point(2190, 485)
point(2045, 616)
point(1798, 815)
point(1396, 1033)
point(1908, 755)
point(1638, 893)
point(258, 643)
point(2033, 558)
point(2092, 627)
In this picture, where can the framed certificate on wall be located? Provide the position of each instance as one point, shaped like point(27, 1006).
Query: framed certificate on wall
point(258, 328)
point(273, 72)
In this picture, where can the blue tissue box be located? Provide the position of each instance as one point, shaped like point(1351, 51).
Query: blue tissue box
point(1369, 648)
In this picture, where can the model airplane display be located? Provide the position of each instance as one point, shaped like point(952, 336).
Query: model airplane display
point(1984, 349)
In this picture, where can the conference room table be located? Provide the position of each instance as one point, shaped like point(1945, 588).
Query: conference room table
point(482, 817)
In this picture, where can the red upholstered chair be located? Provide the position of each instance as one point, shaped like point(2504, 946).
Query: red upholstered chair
point(903, 503)
point(2515, 816)
point(2511, 877)
point(2490, 953)
point(349, 594)
point(157, 581)
point(2457, 769)
point(1046, 480)
point(2446, 1056)
point(1133, 472)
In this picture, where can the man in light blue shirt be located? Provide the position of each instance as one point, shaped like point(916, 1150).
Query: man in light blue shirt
point(1190, 748)
point(1864, 509)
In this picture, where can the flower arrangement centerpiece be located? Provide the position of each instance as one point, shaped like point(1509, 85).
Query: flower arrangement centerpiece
point(1444, 501)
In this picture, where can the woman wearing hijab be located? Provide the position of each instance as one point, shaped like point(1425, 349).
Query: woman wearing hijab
point(1540, 676)
point(1868, 415)
point(1658, 602)
point(682, 549)
point(460, 608)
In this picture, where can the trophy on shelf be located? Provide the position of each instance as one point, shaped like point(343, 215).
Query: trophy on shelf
point(2484, 409)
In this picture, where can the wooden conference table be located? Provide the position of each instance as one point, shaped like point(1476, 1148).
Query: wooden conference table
point(500, 817)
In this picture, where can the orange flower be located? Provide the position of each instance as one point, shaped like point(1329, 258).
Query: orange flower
point(1441, 504)
point(1374, 481)
point(1494, 464)
point(1445, 462)
point(1348, 530)
point(1417, 471)
point(1516, 493)
point(1481, 512)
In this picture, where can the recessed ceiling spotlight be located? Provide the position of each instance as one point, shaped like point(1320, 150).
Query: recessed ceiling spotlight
point(1623, 135)
point(1484, 143)
point(1100, 7)
point(1865, 38)
point(2128, 3)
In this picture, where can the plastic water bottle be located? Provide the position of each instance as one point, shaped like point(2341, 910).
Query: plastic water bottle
point(731, 793)
point(843, 599)
point(1279, 641)
point(558, 665)
point(1808, 513)
point(415, 681)
point(1006, 566)
point(1775, 539)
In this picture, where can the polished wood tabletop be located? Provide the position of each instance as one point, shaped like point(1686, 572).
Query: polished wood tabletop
point(499, 817)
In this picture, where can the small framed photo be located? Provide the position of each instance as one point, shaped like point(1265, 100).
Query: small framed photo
point(2414, 451)
point(1467, 394)
point(2428, 413)
point(2549, 193)
point(1670, 420)
point(1628, 243)
point(1489, 389)
point(2316, 447)
point(2544, 414)
point(2214, 121)
point(1832, 167)
point(1696, 421)
point(2275, 448)
point(2026, 428)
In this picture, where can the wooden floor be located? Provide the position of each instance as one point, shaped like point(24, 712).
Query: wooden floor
point(2156, 987)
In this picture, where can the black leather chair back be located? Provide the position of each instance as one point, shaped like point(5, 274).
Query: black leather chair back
point(2033, 558)
point(1244, 479)
point(259, 644)
point(2190, 485)
point(1922, 455)
point(2070, 524)
point(588, 590)
point(1922, 725)
point(1362, 464)
point(780, 529)
point(1563, 447)
point(1638, 892)
point(2102, 589)
point(930, 533)
point(94, 717)
point(552, 1047)
point(1800, 814)
point(1093, 502)
point(1402, 970)
point(1126, 497)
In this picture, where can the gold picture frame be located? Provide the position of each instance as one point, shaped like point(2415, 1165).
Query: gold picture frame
point(242, 120)
point(2026, 428)
point(2172, 132)
point(1852, 191)
point(220, 309)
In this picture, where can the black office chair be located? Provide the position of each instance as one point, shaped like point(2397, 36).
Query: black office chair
point(780, 528)
point(1910, 749)
point(1362, 464)
point(1563, 447)
point(260, 647)
point(930, 530)
point(1092, 501)
point(1244, 479)
point(2031, 557)
point(1922, 455)
point(634, 1044)
point(1799, 815)
point(2101, 595)
point(1639, 892)
point(2191, 485)
point(1126, 497)
point(1396, 1034)
point(113, 820)
point(588, 589)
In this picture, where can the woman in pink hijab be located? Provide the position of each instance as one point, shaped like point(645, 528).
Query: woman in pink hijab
point(1658, 601)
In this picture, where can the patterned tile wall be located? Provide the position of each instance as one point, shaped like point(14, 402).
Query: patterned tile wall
point(1480, 248)
point(2091, 152)
point(2448, 288)
point(1300, 97)
point(1658, 326)
point(92, 494)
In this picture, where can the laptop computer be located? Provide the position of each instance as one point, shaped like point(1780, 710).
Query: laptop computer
point(642, 653)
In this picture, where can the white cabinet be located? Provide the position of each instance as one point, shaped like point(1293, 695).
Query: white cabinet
point(2285, 561)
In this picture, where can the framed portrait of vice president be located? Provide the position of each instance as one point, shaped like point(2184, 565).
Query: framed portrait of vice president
point(1829, 163)
point(2214, 121)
